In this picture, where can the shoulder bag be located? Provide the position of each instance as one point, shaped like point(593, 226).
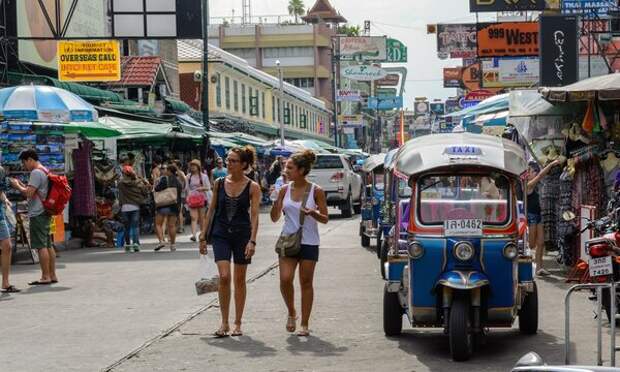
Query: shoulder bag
point(290, 245)
point(196, 199)
point(166, 197)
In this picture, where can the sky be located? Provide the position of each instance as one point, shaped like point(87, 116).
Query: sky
point(404, 20)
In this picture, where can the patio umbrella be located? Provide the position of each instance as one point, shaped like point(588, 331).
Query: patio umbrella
point(43, 103)
point(285, 151)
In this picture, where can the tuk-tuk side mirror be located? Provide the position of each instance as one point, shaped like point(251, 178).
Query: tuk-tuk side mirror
point(568, 216)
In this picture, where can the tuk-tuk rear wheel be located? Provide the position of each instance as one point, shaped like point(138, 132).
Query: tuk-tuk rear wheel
point(459, 330)
point(528, 315)
point(365, 241)
point(392, 313)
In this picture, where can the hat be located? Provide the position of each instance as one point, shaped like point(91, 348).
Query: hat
point(195, 162)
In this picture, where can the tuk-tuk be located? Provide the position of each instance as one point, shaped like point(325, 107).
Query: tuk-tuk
point(372, 199)
point(461, 267)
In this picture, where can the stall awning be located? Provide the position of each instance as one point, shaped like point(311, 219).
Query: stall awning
point(139, 130)
point(87, 129)
point(493, 119)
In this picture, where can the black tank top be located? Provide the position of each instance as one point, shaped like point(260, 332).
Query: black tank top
point(233, 211)
point(533, 202)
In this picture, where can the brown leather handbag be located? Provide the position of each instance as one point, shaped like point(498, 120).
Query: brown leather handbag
point(290, 245)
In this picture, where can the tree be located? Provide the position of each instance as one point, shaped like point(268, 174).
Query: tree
point(296, 8)
point(349, 30)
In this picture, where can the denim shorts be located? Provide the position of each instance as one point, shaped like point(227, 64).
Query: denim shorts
point(534, 218)
point(231, 244)
point(4, 230)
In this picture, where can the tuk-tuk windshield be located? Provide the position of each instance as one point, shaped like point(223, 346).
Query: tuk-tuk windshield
point(379, 181)
point(464, 197)
point(404, 191)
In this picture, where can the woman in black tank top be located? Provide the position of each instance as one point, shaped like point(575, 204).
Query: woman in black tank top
point(233, 217)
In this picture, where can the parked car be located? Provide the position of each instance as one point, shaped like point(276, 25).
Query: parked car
point(343, 187)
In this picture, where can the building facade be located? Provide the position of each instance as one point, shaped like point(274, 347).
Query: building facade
point(240, 92)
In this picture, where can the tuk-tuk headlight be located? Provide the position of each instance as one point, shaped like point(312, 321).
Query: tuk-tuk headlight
point(511, 251)
point(464, 251)
point(415, 250)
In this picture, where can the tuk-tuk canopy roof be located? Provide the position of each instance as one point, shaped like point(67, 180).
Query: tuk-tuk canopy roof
point(460, 149)
point(373, 162)
point(390, 158)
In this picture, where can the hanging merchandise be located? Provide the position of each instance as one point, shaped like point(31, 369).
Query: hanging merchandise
point(567, 242)
point(549, 206)
point(83, 200)
point(588, 119)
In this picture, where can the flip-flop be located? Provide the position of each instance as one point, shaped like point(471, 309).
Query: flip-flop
point(10, 289)
point(36, 282)
point(303, 333)
point(54, 281)
point(159, 247)
point(220, 333)
point(237, 333)
point(291, 324)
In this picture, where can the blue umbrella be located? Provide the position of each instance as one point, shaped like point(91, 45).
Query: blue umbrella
point(43, 103)
point(282, 151)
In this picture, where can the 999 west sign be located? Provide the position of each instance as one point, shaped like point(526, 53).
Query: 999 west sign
point(508, 39)
point(505, 5)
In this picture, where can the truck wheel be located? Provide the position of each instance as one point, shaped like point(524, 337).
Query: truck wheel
point(365, 241)
point(528, 315)
point(347, 207)
point(461, 339)
point(392, 314)
point(383, 259)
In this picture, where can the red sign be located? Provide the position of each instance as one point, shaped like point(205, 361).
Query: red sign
point(479, 95)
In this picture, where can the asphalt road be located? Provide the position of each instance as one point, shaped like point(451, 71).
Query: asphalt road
point(139, 312)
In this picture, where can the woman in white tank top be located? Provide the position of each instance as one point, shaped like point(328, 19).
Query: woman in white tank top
point(290, 200)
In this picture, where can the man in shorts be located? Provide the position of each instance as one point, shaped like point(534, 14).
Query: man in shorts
point(36, 191)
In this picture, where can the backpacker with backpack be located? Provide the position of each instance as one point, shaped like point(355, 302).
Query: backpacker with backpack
point(58, 195)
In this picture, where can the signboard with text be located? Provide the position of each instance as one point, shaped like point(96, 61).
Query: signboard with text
point(385, 92)
point(587, 8)
point(89, 61)
point(396, 51)
point(452, 77)
point(363, 48)
point(510, 72)
point(347, 95)
point(456, 40)
point(505, 5)
point(351, 120)
point(363, 73)
point(508, 39)
point(391, 80)
point(385, 103)
point(559, 61)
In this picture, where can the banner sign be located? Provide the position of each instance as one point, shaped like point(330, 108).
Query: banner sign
point(452, 77)
point(479, 95)
point(421, 108)
point(508, 39)
point(396, 51)
point(386, 92)
point(363, 73)
point(438, 108)
point(466, 103)
point(89, 61)
point(346, 95)
point(505, 5)
point(510, 72)
point(351, 120)
point(452, 105)
point(456, 40)
point(559, 51)
point(391, 80)
point(367, 48)
point(385, 103)
point(587, 8)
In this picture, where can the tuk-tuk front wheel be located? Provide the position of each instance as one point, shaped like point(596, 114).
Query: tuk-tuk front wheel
point(459, 329)
point(392, 313)
point(528, 315)
point(365, 240)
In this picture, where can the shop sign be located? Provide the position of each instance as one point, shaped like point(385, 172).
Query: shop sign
point(452, 77)
point(466, 103)
point(421, 108)
point(396, 51)
point(364, 48)
point(559, 50)
point(386, 92)
point(438, 108)
point(510, 72)
point(89, 61)
point(479, 95)
point(508, 39)
point(385, 103)
point(587, 8)
point(347, 95)
point(391, 80)
point(472, 76)
point(505, 5)
point(351, 120)
point(456, 40)
point(452, 105)
point(363, 73)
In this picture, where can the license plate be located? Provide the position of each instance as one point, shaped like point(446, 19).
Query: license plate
point(465, 227)
point(601, 266)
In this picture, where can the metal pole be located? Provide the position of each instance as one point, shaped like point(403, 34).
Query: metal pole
point(599, 328)
point(612, 310)
point(281, 114)
point(335, 57)
point(205, 66)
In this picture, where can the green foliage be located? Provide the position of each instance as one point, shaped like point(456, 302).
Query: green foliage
point(349, 30)
point(296, 8)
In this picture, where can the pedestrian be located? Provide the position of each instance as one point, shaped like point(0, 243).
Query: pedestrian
point(132, 193)
point(36, 191)
point(183, 181)
point(168, 213)
point(290, 201)
point(198, 190)
point(5, 236)
point(156, 170)
point(220, 170)
point(534, 213)
point(233, 214)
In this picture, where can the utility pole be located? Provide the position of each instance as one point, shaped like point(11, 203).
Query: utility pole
point(281, 111)
point(205, 66)
point(335, 83)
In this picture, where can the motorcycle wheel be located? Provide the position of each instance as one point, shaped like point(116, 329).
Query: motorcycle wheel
point(459, 329)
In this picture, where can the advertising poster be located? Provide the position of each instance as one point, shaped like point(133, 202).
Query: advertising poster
point(559, 61)
point(452, 77)
point(510, 72)
point(508, 39)
point(456, 40)
point(363, 48)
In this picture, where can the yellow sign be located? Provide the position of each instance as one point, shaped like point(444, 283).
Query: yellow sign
point(89, 60)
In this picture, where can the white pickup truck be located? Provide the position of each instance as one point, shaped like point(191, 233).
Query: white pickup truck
point(342, 186)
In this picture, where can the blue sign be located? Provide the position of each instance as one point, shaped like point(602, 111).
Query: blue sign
point(587, 8)
point(385, 103)
point(466, 103)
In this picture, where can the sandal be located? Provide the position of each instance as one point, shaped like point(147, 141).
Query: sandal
point(237, 331)
point(222, 332)
point(291, 324)
point(159, 247)
point(304, 332)
point(10, 289)
point(38, 282)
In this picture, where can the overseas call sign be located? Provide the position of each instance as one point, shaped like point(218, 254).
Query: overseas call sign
point(89, 61)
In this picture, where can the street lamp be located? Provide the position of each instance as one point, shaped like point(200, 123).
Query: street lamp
point(281, 110)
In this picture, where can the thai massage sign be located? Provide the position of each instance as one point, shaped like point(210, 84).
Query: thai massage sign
point(508, 39)
point(89, 60)
point(363, 73)
point(559, 52)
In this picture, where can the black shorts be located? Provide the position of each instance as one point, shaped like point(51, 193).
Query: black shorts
point(308, 253)
point(227, 245)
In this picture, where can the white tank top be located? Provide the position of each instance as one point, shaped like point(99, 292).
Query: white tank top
point(292, 210)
